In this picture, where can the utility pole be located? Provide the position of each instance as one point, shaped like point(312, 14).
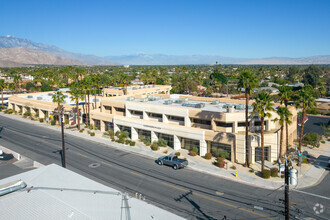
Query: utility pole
point(63, 145)
point(286, 191)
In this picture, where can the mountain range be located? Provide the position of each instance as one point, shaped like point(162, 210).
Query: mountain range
point(19, 52)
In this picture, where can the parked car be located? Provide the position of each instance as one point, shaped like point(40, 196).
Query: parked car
point(5, 157)
point(173, 161)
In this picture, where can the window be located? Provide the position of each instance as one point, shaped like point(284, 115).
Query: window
point(201, 121)
point(144, 134)
point(241, 124)
point(120, 109)
point(133, 112)
point(175, 118)
point(224, 124)
point(219, 149)
point(189, 144)
point(124, 128)
point(258, 123)
point(154, 115)
point(108, 126)
point(167, 138)
point(258, 153)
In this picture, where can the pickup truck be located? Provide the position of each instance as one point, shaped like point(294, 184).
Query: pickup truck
point(173, 161)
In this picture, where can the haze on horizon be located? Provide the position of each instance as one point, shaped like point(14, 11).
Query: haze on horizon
point(238, 28)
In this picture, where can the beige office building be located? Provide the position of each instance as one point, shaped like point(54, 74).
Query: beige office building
point(186, 122)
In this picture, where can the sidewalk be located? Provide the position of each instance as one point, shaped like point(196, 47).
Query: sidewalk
point(310, 177)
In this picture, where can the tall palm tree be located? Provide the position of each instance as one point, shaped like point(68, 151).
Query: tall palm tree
point(3, 85)
point(284, 118)
point(262, 105)
point(248, 81)
point(96, 81)
point(285, 95)
point(17, 79)
point(306, 101)
point(58, 98)
point(76, 95)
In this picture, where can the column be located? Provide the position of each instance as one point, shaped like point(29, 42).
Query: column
point(213, 125)
point(134, 134)
point(115, 128)
point(153, 137)
point(187, 121)
point(177, 143)
point(202, 147)
point(33, 111)
point(235, 125)
point(145, 115)
point(102, 126)
point(23, 110)
point(128, 113)
point(164, 118)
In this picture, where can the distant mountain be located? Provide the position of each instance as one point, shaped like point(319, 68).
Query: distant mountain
point(21, 56)
point(11, 42)
point(287, 60)
point(162, 59)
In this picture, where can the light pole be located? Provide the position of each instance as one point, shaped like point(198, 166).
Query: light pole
point(63, 145)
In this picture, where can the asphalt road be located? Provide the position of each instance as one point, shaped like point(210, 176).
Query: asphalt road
point(190, 194)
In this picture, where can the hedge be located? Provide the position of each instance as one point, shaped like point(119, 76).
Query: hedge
point(265, 174)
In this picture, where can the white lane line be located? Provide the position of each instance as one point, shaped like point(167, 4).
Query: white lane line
point(311, 194)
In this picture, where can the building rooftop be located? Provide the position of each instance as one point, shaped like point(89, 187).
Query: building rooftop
point(48, 97)
point(53, 192)
point(213, 106)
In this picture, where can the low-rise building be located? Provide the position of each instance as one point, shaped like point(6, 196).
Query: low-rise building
point(136, 90)
point(210, 124)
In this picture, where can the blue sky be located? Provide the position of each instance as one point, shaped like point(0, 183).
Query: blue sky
point(247, 28)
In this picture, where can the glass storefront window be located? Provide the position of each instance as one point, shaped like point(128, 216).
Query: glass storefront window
point(143, 134)
point(167, 138)
point(219, 150)
point(124, 128)
point(108, 126)
point(189, 144)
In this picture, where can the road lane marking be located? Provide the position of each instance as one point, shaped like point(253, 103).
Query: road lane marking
point(137, 174)
point(311, 194)
point(217, 201)
point(106, 163)
point(83, 155)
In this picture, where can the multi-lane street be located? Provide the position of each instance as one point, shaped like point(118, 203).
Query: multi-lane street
point(186, 192)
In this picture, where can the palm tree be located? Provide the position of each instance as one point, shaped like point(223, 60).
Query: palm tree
point(17, 79)
point(76, 95)
point(262, 105)
point(96, 81)
point(248, 81)
point(3, 85)
point(286, 95)
point(306, 101)
point(58, 98)
point(284, 118)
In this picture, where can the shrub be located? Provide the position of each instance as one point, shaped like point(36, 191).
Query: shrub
point(27, 113)
point(41, 120)
point(274, 172)
point(233, 167)
point(154, 147)
point(110, 133)
point(132, 143)
point(81, 130)
point(9, 111)
point(323, 142)
point(91, 127)
point(217, 152)
point(123, 134)
point(192, 153)
point(195, 149)
point(66, 121)
point(220, 159)
point(221, 164)
point(121, 140)
point(265, 174)
point(305, 160)
point(92, 134)
point(117, 134)
point(127, 142)
point(162, 143)
point(147, 141)
point(251, 170)
point(32, 119)
point(282, 176)
point(224, 154)
point(177, 154)
point(52, 122)
point(165, 151)
point(312, 139)
point(208, 156)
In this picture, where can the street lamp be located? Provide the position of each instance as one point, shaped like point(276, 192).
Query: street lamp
point(62, 129)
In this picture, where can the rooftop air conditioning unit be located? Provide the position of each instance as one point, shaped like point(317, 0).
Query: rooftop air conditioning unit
point(29, 96)
point(168, 102)
point(185, 99)
point(215, 102)
point(131, 98)
point(39, 98)
point(178, 101)
point(240, 107)
point(144, 100)
point(50, 94)
point(199, 105)
point(149, 96)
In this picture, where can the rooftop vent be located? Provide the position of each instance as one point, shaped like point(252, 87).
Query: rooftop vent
point(168, 102)
point(131, 98)
point(144, 100)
